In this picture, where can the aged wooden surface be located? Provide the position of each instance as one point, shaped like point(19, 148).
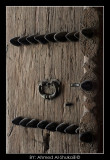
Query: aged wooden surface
point(27, 65)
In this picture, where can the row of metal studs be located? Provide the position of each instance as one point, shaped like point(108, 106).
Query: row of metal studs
point(51, 37)
point(54, 126)
point(51, 126)
point(44, 39)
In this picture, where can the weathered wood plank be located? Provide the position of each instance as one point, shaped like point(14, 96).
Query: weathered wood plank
point(28, 65)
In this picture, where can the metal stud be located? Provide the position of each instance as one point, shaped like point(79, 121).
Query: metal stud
point(60, 37)
point(41, 39)
point(17, 120)
point(87, 85)
point(88, 32)
point(71, 129)
point(24, 41)
point(50, 37)
point(71, 37)
point(51, 126)
point(24, 121)
point(87, 137)
point(42, 124)
point(14, 41)
point(61, 127)
point(33, 123)
point(31, 40)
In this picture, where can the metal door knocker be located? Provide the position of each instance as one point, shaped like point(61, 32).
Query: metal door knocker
point(50, 89)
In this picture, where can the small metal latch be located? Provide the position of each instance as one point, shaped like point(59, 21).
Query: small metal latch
point(86, 85)
point(69, 104)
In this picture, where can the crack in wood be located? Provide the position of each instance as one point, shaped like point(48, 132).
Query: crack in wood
point(46, 140)
point(11, 129)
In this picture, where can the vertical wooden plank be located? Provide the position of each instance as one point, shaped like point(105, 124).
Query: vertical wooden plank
point(28, 65)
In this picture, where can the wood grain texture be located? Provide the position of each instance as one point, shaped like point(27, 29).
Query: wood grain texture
point(26, 66)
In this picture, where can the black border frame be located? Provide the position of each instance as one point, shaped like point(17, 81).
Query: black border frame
point(3, 154)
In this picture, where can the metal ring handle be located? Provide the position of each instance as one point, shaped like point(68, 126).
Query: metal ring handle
point(53, 82)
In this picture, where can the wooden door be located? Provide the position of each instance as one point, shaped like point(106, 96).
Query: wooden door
point(29, 65)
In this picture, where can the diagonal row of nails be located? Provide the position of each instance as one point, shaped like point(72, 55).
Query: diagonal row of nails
point(51, 37)
point(54, 126)
point(51, 126)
